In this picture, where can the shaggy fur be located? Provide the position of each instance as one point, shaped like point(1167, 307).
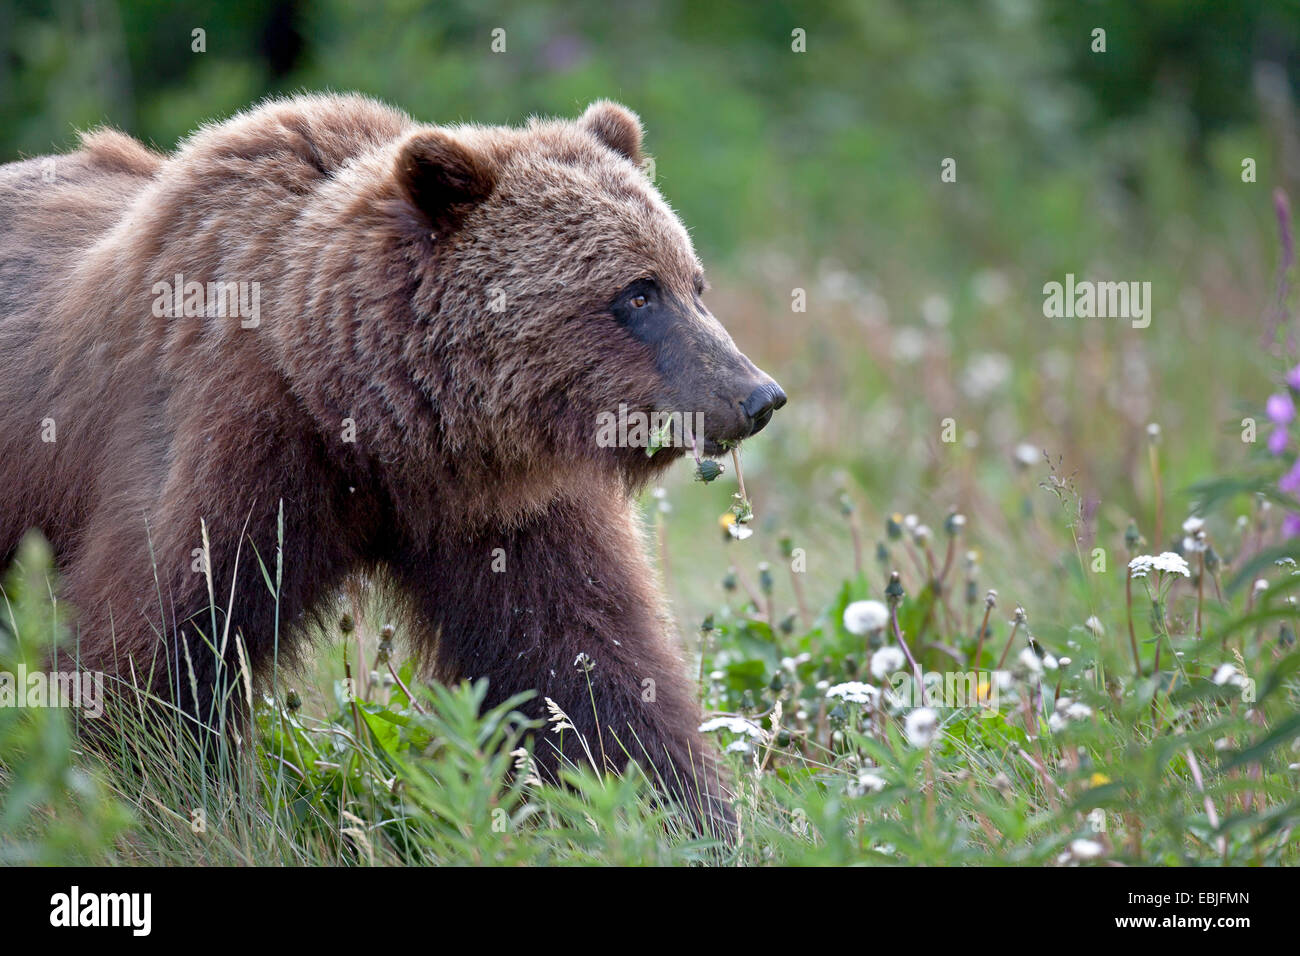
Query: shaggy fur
point(443, 292)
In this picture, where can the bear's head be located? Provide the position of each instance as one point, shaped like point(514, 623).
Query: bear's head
point(558, 298)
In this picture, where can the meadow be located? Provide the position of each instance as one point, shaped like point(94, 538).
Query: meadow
point(1079, 532)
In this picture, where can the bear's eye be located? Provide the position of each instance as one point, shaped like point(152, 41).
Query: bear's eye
point(638, 302)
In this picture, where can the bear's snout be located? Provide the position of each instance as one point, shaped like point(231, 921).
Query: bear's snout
point(761, 403)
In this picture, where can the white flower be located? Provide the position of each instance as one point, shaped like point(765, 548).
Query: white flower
point(935, 310)
point(1193, 525)
point(1067, 710)
point(1086, 849)
point(985, 373)
point(921, 726)
point(737, 725)
point(1030, 662)
point(1078, 712)
point(991, 287)
point(907, 344)
point(886, 661)
point(1260, 586)
point(1166, 561)
point(738, 747)
point(1228, 674)
point(739, 531)
point(1094, 624)
point(1027, 455)
point(854, 692)
point(868, 782)
point(863, 617)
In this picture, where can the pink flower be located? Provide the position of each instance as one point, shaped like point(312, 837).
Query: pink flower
point(1291, 525)
point(1277, 441)
point(1280, 408)
point(1293, 378)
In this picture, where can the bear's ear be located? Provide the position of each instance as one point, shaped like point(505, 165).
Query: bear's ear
point(615, 126)
point(442, 177)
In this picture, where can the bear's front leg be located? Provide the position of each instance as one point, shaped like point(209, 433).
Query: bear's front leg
point(566, 605)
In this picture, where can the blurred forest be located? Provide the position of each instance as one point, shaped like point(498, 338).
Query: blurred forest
point(820, 170)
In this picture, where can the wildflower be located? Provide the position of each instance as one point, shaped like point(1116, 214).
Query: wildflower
point(1084, 849)
point(737, 725)
point(1290, 482)
point(866, 782)
point(733, 528)
point(1132, 536)
point(1166, 561)
point(707, 470)
point(921, 727)
point(1291, 525)
point(1030, 662)
point(894, 590)
point(854, 692)
point(863, 617)
point(584, 663)
point(738, 747)
point(1094, 625)
point(1153, 433)
point(1228, 675)
point(921, 534)
point(1260, 586)
point(1280, 408)
point(1026, 455)
point(886, 661)
point(1098, 779)
point(935, 310)
point(954, 523)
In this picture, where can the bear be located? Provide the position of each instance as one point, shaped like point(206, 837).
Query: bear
point(324, 337)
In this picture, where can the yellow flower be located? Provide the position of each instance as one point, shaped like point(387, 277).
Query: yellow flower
point(1098, 779)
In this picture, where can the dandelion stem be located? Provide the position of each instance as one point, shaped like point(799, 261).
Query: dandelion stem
point(1132, 635)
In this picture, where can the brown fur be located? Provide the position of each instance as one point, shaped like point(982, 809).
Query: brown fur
point(378, 244)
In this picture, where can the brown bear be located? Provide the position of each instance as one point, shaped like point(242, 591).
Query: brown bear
point(388, 345)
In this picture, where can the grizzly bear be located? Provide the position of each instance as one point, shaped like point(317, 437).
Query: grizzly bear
point(382, 347)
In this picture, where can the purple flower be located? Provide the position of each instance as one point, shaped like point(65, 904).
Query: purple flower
point(1277, 441)
point(1291, 525)
point(1290, 482)
point(1280, 408)
point(1293, 378)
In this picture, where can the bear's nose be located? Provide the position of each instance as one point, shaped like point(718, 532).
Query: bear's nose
point(760, 405)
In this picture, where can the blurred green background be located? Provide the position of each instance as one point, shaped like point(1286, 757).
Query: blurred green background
point(820, 171)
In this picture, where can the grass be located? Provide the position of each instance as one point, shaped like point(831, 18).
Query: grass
point(1067, 750)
